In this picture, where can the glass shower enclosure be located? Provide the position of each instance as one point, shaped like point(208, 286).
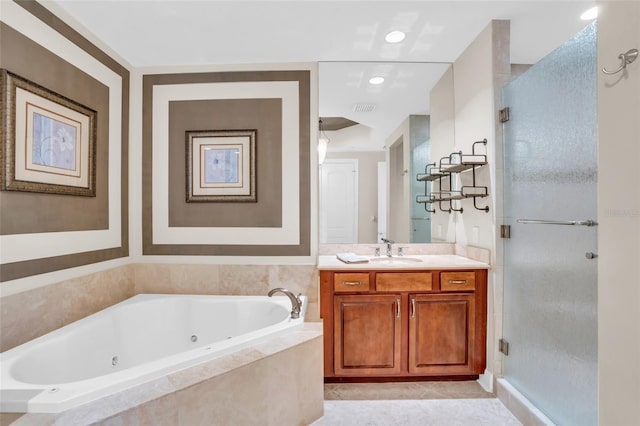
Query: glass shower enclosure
point(550, 261)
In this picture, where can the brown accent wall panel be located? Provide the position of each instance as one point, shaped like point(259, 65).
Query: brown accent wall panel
point(230, 215)
point(25, 212)
point(264, 115)
point(32, 212)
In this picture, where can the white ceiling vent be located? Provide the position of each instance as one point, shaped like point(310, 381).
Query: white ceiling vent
point(364, 107)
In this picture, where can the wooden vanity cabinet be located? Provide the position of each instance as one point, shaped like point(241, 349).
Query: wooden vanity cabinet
point(441, 334)
point(401, 325)
point(367, 334)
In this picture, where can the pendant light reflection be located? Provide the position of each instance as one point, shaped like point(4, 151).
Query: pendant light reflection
point(323, 143)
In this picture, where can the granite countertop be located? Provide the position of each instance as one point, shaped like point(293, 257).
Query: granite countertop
point(415, 262)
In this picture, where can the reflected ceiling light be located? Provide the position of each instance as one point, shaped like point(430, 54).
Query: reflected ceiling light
point(323, 143)
point(376, 80)
point(590, 14)
point(394, 37)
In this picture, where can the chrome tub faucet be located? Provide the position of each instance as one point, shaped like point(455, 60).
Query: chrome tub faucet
point(296, 303)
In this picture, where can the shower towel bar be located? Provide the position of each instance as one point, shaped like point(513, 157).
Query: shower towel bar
point(558, 222)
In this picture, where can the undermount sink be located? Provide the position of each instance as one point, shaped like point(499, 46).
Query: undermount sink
point(395, 259)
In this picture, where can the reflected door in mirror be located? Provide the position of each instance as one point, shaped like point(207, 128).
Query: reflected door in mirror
point(338, 201)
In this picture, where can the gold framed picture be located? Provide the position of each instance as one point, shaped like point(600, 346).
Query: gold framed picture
point(221, 166)
point(48, 140)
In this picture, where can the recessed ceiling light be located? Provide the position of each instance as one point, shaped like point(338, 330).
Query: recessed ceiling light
point(590, 14)
point(376, 80)
point(394, 37)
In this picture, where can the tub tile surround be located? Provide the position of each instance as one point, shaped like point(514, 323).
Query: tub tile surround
point(154, 403)
point(17, 419)
point(33, 313)
point(158, 412)
point(102, 409)
point(224, 279)
point(229, 279)
point(233, 389)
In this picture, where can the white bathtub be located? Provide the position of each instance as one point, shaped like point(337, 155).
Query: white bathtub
point(140, 339)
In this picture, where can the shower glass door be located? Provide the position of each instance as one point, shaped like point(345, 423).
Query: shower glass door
point(550, 268)
point(420, 217)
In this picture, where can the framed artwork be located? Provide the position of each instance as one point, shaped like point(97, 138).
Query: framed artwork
point(48, 140)
point(221, 166)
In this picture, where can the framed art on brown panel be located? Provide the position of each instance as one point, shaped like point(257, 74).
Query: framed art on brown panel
point(48, 140)
point(221, 166)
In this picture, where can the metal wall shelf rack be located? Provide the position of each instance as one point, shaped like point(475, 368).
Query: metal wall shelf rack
point(441, 173)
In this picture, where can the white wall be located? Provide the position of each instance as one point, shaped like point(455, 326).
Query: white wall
point(442, 115)
point(478, 75)
point(618, 216)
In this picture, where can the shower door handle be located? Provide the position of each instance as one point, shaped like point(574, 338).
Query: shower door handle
point(557, 222)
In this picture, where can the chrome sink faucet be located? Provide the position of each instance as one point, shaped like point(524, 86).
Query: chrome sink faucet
point(389, 247)
point(296, 303)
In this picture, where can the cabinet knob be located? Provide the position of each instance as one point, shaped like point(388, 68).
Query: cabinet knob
point(590, 255)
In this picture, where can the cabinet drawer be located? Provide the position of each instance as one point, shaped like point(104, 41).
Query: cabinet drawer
point(457, 281)
point(350, 282)
point(404, 281)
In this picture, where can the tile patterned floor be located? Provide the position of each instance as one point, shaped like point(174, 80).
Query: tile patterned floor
point(413, 404)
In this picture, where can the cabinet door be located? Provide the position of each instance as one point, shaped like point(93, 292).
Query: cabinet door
point(441, 334)
point(367, 335)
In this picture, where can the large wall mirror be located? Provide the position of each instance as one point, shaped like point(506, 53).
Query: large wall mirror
point(380, 136)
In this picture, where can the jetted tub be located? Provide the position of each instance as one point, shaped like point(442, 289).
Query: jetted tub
point(142, 338)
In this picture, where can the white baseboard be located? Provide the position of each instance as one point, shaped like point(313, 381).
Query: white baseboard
point(486, 380)
point(520, 406)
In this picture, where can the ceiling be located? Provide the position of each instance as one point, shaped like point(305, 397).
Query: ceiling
point(346, 37)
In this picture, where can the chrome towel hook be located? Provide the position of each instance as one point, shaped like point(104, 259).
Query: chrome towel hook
point(626, 59)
